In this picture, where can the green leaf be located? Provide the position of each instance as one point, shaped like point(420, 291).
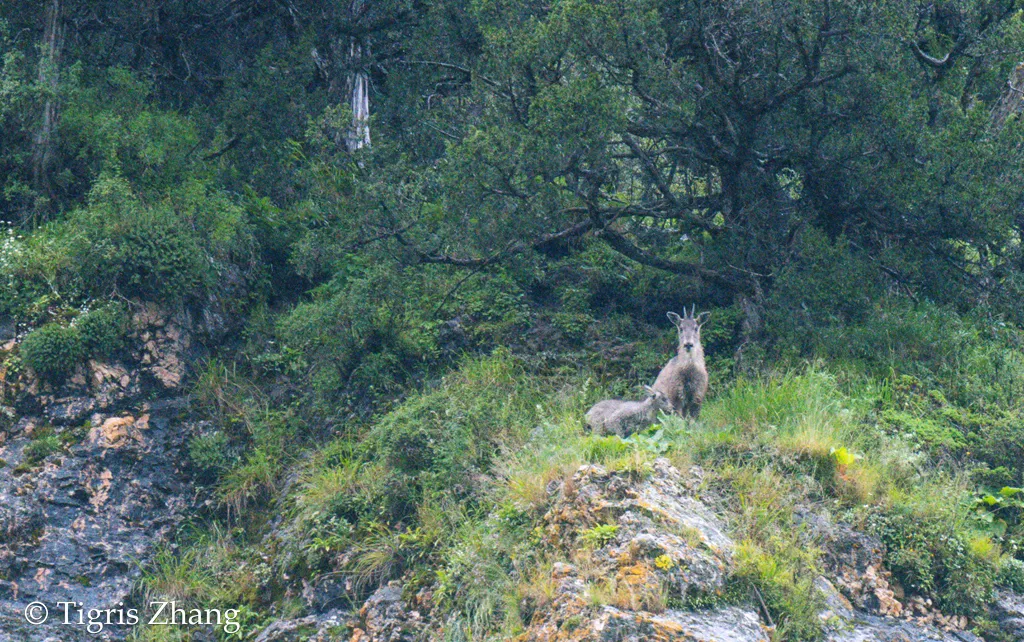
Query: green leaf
point(843, 456)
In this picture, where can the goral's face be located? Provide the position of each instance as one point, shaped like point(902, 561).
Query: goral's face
point(689, 335)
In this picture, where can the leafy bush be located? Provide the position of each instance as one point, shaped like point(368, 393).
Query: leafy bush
point(931, 555)
point(103, 330)
point(44, 443)
point(364, 333)
point(828, 286)
point(494, 307)
point(53, 351)
point(445, 439)
point(599, 535)
point(211, 452)
point(140, 250)
point(1011, 574)
point(110, 125)
point(997, 439)
point(156, 261)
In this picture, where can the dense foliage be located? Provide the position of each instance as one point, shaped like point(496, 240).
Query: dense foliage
point(422, 321)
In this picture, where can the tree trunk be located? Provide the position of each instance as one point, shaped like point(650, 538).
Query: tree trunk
point(360, 85)
point(1012, 102)
point(44, 139)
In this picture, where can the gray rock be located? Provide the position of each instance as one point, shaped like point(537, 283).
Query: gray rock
point(845, 624)
point(730, 624)
point(384, 618)
point(313, 628)
point(76, 527)
point(1009, 613)
point(871, 628)
point(855, 562)
point(657, 519)
point(326, 593)
point(70, 411)
point(20, 518)
point(666, 540)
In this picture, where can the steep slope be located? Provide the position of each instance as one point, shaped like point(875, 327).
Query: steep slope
point(95, 478)
point(660, 568)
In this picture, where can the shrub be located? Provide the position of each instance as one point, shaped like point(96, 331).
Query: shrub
point(165, 251)
point(446, 438)
point(147, 254)
point(102, 330)
point(44, 443)
point(931, 556)
point(363, 333)
point(599, 535)
point(493, 307)
point(827, 287)
point(1011, 574)
point(53, 351)
point(211, 452)
point(998, 440)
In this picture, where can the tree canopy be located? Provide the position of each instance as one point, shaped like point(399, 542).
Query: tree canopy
point(722, 142)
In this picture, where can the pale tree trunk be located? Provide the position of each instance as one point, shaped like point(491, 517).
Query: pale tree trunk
point(359, 89)
point(1012, 102)
point(360, 83)
point(49, 64)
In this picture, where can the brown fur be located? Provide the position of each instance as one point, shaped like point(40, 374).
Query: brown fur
point(684, 379)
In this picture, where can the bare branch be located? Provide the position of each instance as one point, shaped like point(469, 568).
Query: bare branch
point(469, 72)
point(516, 247)
point(228, 146)
point(624, 246)
point(651, 169)
point(929, 60)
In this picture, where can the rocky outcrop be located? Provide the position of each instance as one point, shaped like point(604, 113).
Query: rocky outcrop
point(659, 528)
point(93, 478)
point(161, 347)
point(78, 523)
point(1008, 611)
point(855, 560)
point(384, 616)
point(164, 344)
point(845, 624)
point(327, 627)
point(640, 549)
point(574, 616)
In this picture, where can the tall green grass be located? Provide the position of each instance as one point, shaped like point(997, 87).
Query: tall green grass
point(447, 489)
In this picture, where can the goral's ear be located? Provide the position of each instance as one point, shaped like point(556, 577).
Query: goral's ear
point(703, 317)
point(674, 318)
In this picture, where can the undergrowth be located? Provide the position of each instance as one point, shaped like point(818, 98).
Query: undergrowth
point(447, 488)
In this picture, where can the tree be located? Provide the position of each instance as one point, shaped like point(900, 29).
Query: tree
point(701, 138)
point(49, 76)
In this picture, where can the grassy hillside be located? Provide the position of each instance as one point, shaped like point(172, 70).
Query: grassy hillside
point(388, 348)
point(916, 443)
